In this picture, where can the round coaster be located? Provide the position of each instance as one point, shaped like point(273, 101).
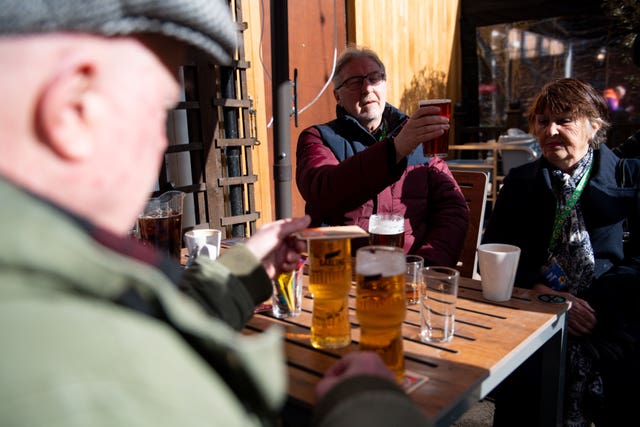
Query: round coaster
point(553, 299)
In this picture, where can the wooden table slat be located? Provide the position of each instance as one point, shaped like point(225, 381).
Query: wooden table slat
point(491, 339)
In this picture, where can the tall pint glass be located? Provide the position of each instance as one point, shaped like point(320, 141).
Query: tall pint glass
point(381, 303)
point(386, 229)
point(329, 282)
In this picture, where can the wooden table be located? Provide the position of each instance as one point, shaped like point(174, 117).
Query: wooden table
point(491, 341)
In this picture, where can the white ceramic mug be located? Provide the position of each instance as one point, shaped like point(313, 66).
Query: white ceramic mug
point(203, 242)
point(498, 263)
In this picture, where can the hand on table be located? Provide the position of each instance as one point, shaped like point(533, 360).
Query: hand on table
point(353, 364)
point(581, 317)
point(274, 245)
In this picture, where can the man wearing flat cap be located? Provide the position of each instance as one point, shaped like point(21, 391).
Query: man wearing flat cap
point(95, 329)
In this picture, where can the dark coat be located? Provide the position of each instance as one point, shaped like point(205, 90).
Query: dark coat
point(525, 210)
point(524, 215)
point(345, 175)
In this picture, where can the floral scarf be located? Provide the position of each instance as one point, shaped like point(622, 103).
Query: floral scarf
point(574, 254)
point(573, 251)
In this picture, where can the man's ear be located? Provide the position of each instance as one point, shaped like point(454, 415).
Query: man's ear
point(61, 110)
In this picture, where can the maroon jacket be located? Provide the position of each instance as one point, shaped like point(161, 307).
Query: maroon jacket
point(345, 174)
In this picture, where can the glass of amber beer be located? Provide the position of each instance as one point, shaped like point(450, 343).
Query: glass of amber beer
point(386, 229)
point(329, 282)
point(381, 303)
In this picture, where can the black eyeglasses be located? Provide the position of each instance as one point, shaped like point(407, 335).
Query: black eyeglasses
point(355, 82)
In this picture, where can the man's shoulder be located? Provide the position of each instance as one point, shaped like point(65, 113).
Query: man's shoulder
point(98, 354)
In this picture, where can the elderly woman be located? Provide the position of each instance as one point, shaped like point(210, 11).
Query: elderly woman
point(568, 212)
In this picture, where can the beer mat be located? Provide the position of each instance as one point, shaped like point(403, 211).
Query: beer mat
point(412, 381)
point(334, 232)
point(552, 298)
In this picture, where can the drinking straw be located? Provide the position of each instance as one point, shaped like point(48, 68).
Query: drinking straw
point(288, 283)
point(284, 284)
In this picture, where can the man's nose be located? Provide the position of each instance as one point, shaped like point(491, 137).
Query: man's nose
point(366, 85)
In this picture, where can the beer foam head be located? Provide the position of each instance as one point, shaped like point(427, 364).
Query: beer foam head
point(386, 261)
point(386, 224)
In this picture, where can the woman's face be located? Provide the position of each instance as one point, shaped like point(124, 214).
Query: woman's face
point(564, 139)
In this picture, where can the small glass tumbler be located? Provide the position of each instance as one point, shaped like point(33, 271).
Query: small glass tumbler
point(287, 292)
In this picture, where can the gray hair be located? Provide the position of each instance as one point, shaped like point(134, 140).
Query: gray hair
point(349, 54)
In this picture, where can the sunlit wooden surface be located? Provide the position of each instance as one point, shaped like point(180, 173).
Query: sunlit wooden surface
point(491, 340)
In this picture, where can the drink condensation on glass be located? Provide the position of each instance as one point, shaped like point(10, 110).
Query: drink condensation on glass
point(440, 145)
point(381, 303)
point(386, 230)
point(329, 283)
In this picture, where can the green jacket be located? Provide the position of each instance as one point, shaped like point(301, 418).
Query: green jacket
point(72, 355)
point(92, 337)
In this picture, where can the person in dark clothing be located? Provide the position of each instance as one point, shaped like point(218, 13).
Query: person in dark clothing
point(567, 212)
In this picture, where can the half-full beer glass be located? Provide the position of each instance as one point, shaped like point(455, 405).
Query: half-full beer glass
point(381, 303)
point(329, 282)
point(386, 229)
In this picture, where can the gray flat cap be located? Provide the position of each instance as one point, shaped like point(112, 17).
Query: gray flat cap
point(205, 24)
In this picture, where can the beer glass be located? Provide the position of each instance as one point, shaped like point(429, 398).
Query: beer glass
point(386, 229)
point(329, 282)
point(160, 223)
point(440, 145)
point(381, 303)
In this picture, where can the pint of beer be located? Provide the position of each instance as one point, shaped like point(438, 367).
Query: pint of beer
point(440, 145)
point(160, 223)
point(386, 229)
point(380, 303)
point(329, 282)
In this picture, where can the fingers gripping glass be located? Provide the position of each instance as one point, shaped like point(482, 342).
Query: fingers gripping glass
point(355, 82)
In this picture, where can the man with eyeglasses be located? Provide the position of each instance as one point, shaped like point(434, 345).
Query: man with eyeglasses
point(96, 329)
point(369, 160)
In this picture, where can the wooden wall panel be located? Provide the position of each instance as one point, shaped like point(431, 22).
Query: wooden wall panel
point(312, 38)
point(257, 92)
point(316, 28)
point(418, 42)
